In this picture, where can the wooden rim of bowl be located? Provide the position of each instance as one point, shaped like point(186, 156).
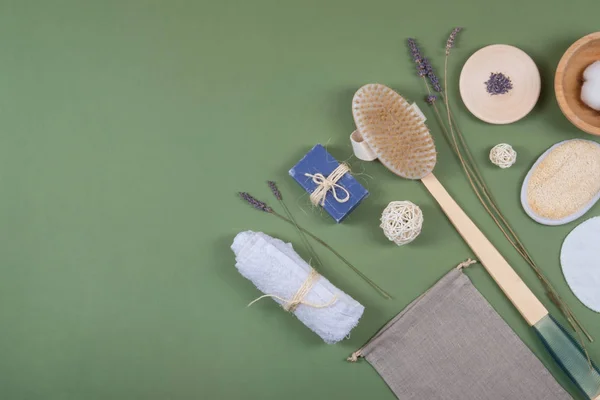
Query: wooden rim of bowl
point(559, 89)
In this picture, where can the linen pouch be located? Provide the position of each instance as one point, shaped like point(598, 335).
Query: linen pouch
point(450, 344)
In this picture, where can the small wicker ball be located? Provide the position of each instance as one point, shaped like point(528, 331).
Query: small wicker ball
point(503, 155)
point(401, 222)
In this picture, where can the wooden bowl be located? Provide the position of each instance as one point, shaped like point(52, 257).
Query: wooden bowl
point(568, 81)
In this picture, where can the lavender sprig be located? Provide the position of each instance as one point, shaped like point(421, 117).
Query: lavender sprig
point(275, 190)
point(414, 50)
point(262, 206)
point(430, 99)
point(259, 205)
point(417, 57)
point(433, 79)
point(451, 39)
point(424, 68)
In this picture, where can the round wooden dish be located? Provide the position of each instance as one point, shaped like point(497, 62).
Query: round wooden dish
point(505, 108)
point(568, 81)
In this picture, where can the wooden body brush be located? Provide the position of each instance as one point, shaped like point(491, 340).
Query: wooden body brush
point(395, 132)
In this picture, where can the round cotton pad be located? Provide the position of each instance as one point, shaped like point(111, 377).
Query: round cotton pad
point(580, 260)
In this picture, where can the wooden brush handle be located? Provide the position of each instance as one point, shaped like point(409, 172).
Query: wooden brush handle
point(511, 284)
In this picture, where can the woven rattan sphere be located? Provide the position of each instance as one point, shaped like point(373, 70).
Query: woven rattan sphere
point(401, 222)
point(503, 155)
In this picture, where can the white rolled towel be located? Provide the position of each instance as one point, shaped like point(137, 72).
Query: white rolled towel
point(277, 270)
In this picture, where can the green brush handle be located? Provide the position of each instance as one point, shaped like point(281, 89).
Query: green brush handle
point(570, 356)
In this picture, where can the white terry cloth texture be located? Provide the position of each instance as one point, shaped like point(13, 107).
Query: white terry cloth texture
point(580, 260)
point(276, 269)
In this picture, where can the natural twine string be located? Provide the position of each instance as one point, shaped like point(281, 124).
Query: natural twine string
point(298, 298)
point(466, 263)
point(325, 184)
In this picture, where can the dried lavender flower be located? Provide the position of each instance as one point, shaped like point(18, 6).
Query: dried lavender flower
point(275, 190)
point(262, 206)
point(498, 84)
point(259, 205)
point(431, 99)
point(451, 39)
point(433, 79)
point(414, 50)
point(417, 57)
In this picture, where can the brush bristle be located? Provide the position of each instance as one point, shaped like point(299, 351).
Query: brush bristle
point(394, 131)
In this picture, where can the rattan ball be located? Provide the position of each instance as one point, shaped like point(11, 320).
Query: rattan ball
point(503, 155)
point(401, 222)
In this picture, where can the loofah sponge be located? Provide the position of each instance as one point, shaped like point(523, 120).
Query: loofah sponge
point(564, 182)
point(387, 121)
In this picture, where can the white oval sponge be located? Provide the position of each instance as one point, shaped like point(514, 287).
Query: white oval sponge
point(590, 91)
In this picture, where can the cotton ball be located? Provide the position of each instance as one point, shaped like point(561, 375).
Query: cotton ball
point(401, 222)
point(590, 91)
point(503, 155)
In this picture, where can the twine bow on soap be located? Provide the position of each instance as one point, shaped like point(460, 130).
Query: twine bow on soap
point(325, 184)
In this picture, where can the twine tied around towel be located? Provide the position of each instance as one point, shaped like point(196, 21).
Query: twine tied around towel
point(290, 305)
point(325, 184)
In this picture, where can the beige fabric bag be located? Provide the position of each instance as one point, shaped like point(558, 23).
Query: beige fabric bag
point(451, 344)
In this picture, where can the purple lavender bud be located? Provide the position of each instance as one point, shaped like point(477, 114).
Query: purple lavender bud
point(433, 79)
point(275, 190)
point(451, 39)
point(417, 57)
point(430, 99)
point(498, 84)
point(435, 83)
point(414, 50)
point(259, 205)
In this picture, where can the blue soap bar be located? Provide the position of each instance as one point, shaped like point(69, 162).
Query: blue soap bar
point(318, 160)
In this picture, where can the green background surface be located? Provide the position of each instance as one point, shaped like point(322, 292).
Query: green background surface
point(126, 129)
